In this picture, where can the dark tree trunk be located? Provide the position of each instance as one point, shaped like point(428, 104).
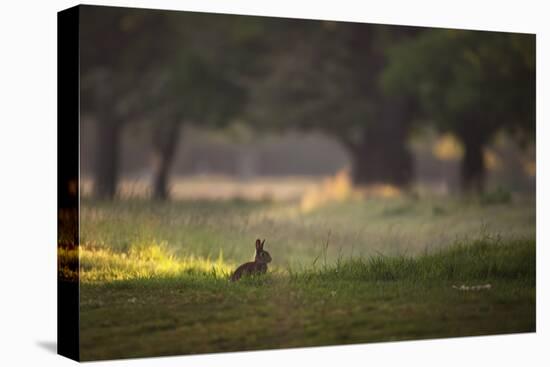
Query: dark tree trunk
point(106, 165)
point(382, 155)
point(382, 158)
point(473, 170)
point(165, 143)
point(474, 137)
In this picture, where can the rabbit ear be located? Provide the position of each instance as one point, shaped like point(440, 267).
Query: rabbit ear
point(263, 244)
point(258, 244)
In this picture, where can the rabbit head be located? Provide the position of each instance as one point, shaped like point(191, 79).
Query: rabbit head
point(262, 256)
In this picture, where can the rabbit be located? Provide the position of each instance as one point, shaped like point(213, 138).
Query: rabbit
point(258, 266)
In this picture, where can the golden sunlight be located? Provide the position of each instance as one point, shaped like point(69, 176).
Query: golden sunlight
point(144, 261)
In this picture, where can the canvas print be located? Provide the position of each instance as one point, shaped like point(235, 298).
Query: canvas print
point(234, 183)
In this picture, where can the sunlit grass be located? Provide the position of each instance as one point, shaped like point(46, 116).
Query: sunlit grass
point(67, 260)
point(145, 261)
point(337, 188)
point(481, 259)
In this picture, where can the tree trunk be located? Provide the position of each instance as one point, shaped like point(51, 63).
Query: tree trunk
point(382, 158)
point(165, 143)
point(473, 170)
point(382, 155)
point(106, 165)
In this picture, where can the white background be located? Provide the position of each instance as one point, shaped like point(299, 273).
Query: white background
point(28, 141)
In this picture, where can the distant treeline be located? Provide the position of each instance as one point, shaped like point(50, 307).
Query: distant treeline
point(369, 87)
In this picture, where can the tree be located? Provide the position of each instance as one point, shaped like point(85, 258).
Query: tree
point(325, 76)
point(118, 46)
point(163, 67)
point(201, 83)
point(195, 93)
point(470, 83)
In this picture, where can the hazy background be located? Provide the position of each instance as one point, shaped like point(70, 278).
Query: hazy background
point(182, 105)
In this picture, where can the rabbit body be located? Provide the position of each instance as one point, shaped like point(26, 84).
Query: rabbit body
point(258, 266)
point(249, 268)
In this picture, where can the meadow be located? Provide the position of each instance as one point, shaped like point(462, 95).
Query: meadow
point(153, 276)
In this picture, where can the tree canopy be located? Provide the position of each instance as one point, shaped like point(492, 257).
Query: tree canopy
point(366, 85)
point(470, 83)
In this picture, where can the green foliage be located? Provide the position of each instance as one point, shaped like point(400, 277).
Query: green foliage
point(154, 65)
point(359, 83)
point(324, 76)
point(486, 79)
point(470, 83)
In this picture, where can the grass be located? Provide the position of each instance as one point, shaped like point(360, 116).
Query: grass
point(358, 228)
point(154, 276)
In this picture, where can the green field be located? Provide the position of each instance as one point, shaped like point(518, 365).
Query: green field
point(154, 275)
